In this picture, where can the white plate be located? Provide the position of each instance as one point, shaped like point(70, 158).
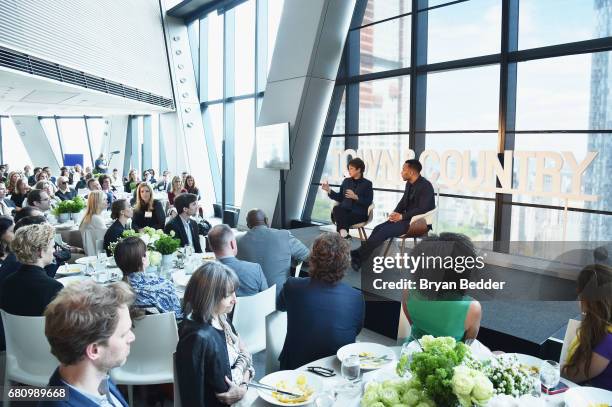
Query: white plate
point(585, 396)
point(375, 349)
point(290, 376)
point(66, 281)
point(70, 269)
point(180, 278)
point(86, 260)
point(523, 359)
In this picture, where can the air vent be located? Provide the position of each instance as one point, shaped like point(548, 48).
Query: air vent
point(36, 66)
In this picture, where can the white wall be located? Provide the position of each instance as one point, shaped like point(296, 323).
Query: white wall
point(120, 40)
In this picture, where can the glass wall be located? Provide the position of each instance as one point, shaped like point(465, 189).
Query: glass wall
point(232, 50)
point(473, 77)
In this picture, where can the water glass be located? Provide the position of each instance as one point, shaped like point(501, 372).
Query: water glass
point(101, 276)
point(350, 368)
point(550, 374)
point(325, 399)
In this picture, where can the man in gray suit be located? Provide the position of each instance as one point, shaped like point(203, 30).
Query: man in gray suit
point(223, 244)
point(272, 248)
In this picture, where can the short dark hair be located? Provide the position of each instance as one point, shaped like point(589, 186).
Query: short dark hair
point(102, 177)
point(29, 220)
point(36, 169)
point(329, 258)
point(25, 212)
point(89, 181)
point(34, 196)
point(183, 201)
point(117, 207)
point(5, 223)
point(129, 253)
point(219, 236)
point(357, 163)
point(414, 164)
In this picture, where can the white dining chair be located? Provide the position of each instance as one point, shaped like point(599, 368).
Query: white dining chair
point(150, 360)
point(28, 354)
point(250, 318)
point(276, 331)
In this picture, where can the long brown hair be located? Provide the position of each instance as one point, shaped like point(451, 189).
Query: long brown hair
point(140, 205)
point(595, 288)
point(180, 188)
point(12, 184)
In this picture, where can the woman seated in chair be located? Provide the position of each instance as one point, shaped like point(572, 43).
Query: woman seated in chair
point(443, 312)
point(312, 332)
point(148, 211)
point(153, 292)
point(590, 353)
point(355, 197)
point(213, 364)
point(121, 212)
point(93, 227)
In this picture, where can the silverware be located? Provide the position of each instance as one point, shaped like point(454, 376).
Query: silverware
point(270, 388)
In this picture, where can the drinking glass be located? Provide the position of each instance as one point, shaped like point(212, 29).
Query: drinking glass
point(550, 374)
point(100, 261)
point(325, 399)
point(101, 276)
point(351, 369)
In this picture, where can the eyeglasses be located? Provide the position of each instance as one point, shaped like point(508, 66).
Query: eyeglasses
point(321, 371)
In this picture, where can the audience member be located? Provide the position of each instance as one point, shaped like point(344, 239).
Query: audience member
point(6, 236)
point(175, 189)
point(76, 176)
point(89, 329)
point(116, 180)
point(272, 249)
point(443, 312)
point(27, 171)
point(39, 199)
point(213, 365)
point(21, 193)
point(42, 176)
point(223, 244)
point(93, 227)
point(32, 178)
point(28, 290)
point(146, 177)
point(12, 181)
point(7, 206)
point(164, 182)
point(183, 226)
point(190, 186)
point(152, 291)
point(132, 182)
point(47, 186)
point(310, 302)
point(184, 175)
point(152, 180)
point(105, 184)
point(64, 172)
point(64, 192)
point(93, 184)
point(50, 176)
point(83, 183)
point(121, 212)
point(589, 359)
point(148, 211)
point(27, 211)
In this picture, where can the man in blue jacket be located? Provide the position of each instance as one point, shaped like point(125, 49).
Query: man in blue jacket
point(89, 328)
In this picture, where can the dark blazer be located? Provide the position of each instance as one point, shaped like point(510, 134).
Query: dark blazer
point(113, 233)
point(156, 221)
point(418, 198)
point(18, 199)
point(76, 398)
point(176, 225)
point(362, 187)
point(251, 276)
point(65, 196)
point(28, 291)
point(202, 363)
point(321, 318)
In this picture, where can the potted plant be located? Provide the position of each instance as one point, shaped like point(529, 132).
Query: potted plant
point(67, 209)
point(167, 245)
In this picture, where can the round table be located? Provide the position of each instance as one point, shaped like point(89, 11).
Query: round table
point(330, 383)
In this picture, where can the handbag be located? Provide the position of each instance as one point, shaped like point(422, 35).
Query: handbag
point(204, 227)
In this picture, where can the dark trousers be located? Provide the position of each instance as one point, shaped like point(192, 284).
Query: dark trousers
point(344, 218)
point(381, 233)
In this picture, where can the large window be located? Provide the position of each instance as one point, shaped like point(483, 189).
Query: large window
point(444, 76)
point(13, 151)
point(232, 49)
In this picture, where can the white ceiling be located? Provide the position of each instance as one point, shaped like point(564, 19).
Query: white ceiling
point(24, 94)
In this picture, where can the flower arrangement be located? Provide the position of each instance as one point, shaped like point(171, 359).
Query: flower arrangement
point(75, 205)
point(508, 377)
point(444, 374)
point(158, 243)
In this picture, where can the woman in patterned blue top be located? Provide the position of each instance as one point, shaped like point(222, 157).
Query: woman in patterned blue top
point(151, 290)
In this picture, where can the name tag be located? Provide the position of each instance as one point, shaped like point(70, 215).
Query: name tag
point(148, 214)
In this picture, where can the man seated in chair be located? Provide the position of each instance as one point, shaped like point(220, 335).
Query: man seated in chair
point(354, 198)
point(89, 328)
point(418, 198)
point(183, 226)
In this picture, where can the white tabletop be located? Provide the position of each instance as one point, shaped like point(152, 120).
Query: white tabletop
point(331, 362)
